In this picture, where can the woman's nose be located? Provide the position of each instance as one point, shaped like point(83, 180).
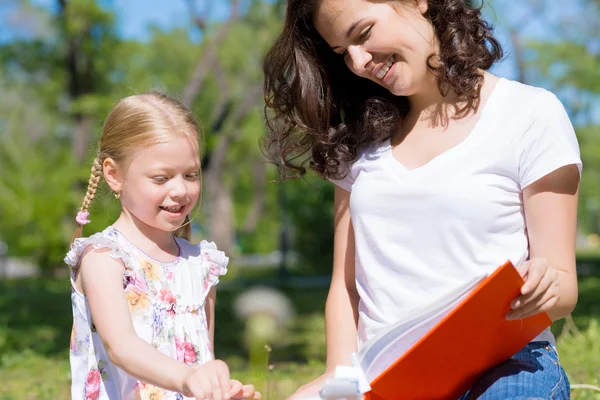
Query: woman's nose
point(359, 59)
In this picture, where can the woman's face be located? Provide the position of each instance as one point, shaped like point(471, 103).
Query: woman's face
point(386, 42)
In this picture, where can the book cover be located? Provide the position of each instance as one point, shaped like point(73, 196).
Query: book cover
point(471, 338)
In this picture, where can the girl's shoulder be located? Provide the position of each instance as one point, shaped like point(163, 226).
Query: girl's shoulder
point(204, 251)
point(205, 258)
point(108, 239)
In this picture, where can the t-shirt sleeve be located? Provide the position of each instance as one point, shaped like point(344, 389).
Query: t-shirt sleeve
point(548, 143)
point(347, 181)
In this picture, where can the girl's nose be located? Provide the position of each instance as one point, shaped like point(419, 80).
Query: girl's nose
point(178, 188)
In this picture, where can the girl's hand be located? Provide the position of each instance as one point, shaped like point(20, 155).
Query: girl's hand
point(210, 381)
point(241, 392)
point(540, 292)
point(312, 388)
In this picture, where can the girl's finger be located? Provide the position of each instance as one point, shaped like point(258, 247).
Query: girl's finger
point(197, 393)
point(249, 391)
point(223, 382)
point(236, 388)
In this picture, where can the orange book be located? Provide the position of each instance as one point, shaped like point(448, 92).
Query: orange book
point(442, 351)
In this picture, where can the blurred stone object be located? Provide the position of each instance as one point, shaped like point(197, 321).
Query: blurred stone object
point(266, 311)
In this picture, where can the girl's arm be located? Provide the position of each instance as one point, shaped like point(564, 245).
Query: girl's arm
point(102, 281)
point(341, 309)
point(550, 206)
point(238, 389)
point(209, 308)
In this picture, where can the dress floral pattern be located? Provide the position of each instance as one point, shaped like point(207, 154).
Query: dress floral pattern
point(166, 301)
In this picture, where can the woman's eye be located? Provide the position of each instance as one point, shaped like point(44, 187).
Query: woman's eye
point(365, 34)
point(362, 37)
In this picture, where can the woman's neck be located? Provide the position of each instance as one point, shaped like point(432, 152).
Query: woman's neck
point(429, 105)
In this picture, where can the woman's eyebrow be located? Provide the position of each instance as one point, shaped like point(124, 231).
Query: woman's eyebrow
point(353, 27)
point(349, 31)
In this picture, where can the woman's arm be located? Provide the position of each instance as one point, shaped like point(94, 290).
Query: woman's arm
point(550, 206)
point(341, 309)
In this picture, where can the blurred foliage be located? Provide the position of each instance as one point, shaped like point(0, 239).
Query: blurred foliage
point(311, 214)
point(76, 71)
point(45, 101)
point(35, 329)
point(73, 69)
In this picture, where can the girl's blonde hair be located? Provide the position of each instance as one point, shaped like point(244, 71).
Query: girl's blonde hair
point(135, 122)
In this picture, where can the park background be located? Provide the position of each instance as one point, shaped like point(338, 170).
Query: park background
point(63, 65)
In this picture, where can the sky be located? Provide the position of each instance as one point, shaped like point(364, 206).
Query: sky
point(135, 16)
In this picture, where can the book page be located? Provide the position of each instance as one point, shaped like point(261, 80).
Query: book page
point(382, 351)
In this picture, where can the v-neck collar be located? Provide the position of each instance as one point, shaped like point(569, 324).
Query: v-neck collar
point(459, 149)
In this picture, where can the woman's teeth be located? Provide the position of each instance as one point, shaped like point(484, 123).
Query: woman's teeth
point(384, 70)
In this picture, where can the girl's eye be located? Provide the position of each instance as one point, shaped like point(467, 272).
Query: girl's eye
point(193, 176)
point(160, 179)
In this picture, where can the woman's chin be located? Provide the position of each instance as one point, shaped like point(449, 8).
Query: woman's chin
point(400, 87)
point(400, 90)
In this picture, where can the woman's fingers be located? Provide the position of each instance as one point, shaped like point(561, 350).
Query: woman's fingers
point(535, 273)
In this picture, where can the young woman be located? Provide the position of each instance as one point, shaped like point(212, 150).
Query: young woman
point(443, 170)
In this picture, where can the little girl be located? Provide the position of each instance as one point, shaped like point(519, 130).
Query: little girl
point(143, 297)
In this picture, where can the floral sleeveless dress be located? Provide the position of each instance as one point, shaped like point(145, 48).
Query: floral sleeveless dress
point(166, 301)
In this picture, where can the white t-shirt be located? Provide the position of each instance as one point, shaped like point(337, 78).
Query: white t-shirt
point(424, 232)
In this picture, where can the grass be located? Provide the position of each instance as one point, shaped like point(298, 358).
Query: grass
point(35, 323)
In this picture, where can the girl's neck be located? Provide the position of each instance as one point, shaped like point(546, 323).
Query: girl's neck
point(155, 242)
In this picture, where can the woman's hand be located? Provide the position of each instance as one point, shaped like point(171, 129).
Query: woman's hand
point(312, 388)
point(541, 290)
point(210, 381)
point(240, 391)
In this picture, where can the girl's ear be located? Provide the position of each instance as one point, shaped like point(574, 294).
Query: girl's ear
point(112, 175)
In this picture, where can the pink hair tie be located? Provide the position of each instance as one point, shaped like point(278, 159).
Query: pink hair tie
point(82, 218)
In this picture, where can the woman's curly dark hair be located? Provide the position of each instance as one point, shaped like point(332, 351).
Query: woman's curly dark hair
point(318, 111)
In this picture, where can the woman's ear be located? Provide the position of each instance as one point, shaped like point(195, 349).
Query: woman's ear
point(112, 175)
point(422, 6)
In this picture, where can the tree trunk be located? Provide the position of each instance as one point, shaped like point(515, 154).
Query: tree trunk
point(221, 218)
point(79, 84)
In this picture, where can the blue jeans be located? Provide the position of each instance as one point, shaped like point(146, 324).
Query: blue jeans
point(532, 373)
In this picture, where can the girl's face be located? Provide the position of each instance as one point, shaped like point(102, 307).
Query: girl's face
point(386, 42)
point(161, 184)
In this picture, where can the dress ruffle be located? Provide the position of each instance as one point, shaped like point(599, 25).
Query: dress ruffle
point(106, 239)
